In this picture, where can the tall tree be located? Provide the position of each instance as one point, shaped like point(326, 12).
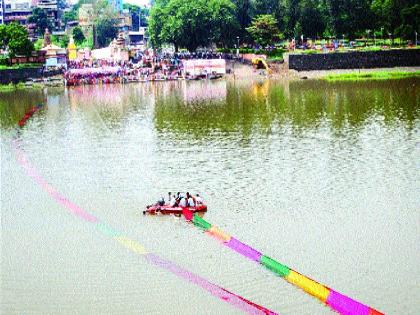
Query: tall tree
point(399, 17)
point(78, 35)
point(312, 18)
point(192, 23)
point(351, 17)
point(14, 38)
point(40, 18)
point(264, 29)
point(106, 30)
point(223, 24)
point(244, 11)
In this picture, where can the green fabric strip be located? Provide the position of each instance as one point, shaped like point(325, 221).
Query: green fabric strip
point(275, 266)
point(200, 222)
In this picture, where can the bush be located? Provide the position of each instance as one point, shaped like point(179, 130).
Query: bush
point(4, 61)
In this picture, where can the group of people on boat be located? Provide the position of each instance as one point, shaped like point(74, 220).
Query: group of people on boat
point(182, 200)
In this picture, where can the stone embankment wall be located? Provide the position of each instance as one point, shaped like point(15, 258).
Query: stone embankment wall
point(19, 75)
point(26, 74)
point(356, 60)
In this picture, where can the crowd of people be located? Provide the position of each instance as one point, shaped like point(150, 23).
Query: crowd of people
point(161, 67)
point(181, 200)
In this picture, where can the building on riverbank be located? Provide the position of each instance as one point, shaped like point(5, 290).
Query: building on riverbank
point(1, 12)
point(17, 11)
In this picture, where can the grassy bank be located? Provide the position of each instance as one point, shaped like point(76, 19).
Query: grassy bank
point(378, 75)
point(18, 86)
point(21, 66)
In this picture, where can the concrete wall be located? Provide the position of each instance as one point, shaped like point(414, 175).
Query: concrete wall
point(356, 60)
point(23, 75)
point(19, 75)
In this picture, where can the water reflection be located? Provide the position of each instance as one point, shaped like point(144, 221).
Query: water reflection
point(262, 106)
point(317, 175)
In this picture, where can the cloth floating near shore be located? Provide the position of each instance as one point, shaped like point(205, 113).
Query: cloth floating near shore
point(87, 71)
point(336, 301)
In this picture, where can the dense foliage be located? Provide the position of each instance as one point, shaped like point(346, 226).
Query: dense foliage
point(106, 30)
point(14, 38)
point(191, 23)
point(40, 19)
point(264, 29)
point(78, 35)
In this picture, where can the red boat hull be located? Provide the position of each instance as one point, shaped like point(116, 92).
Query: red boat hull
point(166, 209)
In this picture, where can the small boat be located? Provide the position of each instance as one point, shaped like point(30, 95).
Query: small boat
point(167, 209)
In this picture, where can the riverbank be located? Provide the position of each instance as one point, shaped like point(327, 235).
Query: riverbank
point(55, 81)
point(280, 71)
point(357, 74)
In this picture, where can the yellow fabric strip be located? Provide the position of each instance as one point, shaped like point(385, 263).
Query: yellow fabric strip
point(132, 245)
point(214, 230)
point(313, 288)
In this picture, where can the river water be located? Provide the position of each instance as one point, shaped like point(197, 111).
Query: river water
point(323, 177)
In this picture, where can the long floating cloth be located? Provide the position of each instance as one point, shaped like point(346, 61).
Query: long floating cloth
point(336, 301)
point(132, 245)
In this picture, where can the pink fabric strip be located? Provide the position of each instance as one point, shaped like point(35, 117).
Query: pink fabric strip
point(243, 249)
point(229, 297)
point(345, 305)
point(237, 301)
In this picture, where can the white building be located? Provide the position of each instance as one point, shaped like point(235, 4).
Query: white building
point(1, 11)
point(16, 11)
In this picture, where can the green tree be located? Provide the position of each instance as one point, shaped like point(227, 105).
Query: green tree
point(400, 17)
point(14, 38)
point(40, 18)
point(71, 15)
point(264, 29)
point(192, 23)
point(291, 18)
point(78, 35)
point(312, 18)
point(265, 6)
point(64, 41)
point(351, 17)
point(106, 30)
point(223, 23)
point(4, 39)
point(156, 22)
point(244, 10)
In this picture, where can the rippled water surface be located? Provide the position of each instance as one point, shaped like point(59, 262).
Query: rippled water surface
point(323, 177)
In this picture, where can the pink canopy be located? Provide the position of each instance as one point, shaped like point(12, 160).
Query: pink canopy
point(102, 70)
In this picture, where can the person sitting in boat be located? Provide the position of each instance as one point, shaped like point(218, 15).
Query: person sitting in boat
point(190, 200)
point(183, 202)
point(161, 202)
point(172, 201)
point(198, 200)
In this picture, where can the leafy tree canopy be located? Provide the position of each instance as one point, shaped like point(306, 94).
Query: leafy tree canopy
point(264, 29)
point(192, 23)
point(40, 18)
point(78, 35)
point(14, 38)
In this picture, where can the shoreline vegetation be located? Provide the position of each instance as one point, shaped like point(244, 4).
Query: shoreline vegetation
point(244, 71)
point(376, 75)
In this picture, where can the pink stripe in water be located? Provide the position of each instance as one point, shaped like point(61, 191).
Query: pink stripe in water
point(243, 249)
point(345, 305)
point(231, 298)
point(31, 171)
